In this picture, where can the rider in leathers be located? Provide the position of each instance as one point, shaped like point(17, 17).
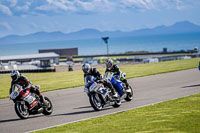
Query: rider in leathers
point(114, 68)
point(94, 74)
point(19, 79)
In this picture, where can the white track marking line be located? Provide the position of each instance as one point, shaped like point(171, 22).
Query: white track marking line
point(104, 114)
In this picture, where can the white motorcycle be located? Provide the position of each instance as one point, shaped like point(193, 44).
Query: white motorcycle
point(100, 95)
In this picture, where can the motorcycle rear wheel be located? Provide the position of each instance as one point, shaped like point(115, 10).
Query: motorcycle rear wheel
point(129, 96)
point(49, 109)
point(21, 110)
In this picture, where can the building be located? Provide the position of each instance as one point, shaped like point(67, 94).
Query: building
point(159, 58)
point(41, 60)
point(61, 52)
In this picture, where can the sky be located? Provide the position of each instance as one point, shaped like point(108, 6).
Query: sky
point(22, 17)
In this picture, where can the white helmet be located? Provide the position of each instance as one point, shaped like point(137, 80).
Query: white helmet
point(14, 75)
point(109, 64)
point(86, 68)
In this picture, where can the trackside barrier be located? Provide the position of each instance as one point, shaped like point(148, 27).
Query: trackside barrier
point(30, 71)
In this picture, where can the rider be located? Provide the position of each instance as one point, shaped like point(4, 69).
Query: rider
point(114, 68)
point(19, 79)
point(91, 73)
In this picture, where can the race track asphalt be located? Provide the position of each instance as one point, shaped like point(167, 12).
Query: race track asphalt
point(73, 105)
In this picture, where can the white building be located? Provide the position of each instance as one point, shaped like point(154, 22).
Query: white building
point(31, 61)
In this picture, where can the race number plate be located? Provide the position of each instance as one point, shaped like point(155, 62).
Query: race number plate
point(29, 99)
point(14, 94)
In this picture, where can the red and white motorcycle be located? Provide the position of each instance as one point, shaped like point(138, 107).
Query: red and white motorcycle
point(27, 103)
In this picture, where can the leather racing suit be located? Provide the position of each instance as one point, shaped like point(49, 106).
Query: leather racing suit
point(94, 74)
point(26, 84)
point(116, 72)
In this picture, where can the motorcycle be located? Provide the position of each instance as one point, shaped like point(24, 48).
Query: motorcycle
point(100, 95)
point(27, 103)
point(124, 92)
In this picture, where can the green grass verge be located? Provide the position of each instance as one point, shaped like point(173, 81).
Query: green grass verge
point(61, 80)
point(175, 116)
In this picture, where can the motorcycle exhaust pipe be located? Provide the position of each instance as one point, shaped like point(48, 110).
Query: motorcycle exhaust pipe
point(40, 110)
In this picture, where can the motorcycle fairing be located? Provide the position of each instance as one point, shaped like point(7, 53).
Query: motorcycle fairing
point(118, 85)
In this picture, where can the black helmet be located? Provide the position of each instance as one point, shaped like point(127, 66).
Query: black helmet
point(86, 68)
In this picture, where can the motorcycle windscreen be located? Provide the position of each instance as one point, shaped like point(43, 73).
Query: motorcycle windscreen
point(118, 85)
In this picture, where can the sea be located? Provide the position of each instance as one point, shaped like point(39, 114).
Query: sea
point(154, 43)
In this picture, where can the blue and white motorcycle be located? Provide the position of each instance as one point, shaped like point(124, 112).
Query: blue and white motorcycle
point(124, 92)
point(100, 95)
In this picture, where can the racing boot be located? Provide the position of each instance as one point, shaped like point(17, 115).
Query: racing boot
point(44, 102)
point(113, 91)
point(41, 97)
point(126, 83)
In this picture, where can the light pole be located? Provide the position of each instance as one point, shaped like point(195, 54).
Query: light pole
point(106, 41)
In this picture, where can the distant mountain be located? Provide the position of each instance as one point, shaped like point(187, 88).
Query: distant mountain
point(84, 34)
point(179, 27)
point(35, 37)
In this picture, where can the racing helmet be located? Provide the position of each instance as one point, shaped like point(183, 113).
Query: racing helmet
point(109, 64)
point(86, 68)
point(14, 75)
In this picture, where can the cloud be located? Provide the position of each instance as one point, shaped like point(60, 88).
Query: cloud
point(5, 26)
point(137, 4)
point(52, 7)
point(25, 7)
point(5, 10)
point(12, 2)
point(99, 6)
point(77, 6)
point(158, 4)
point(96, 5)
point(57, 6)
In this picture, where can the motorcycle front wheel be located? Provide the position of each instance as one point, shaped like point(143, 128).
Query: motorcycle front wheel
point(117, 103)
point(21, 110)
point(95, 101)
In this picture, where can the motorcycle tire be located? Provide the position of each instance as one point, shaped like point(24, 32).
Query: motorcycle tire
point(49, 109)
point(21, 110)
point(129, 96)
point(117, 103)
point(95, 101)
